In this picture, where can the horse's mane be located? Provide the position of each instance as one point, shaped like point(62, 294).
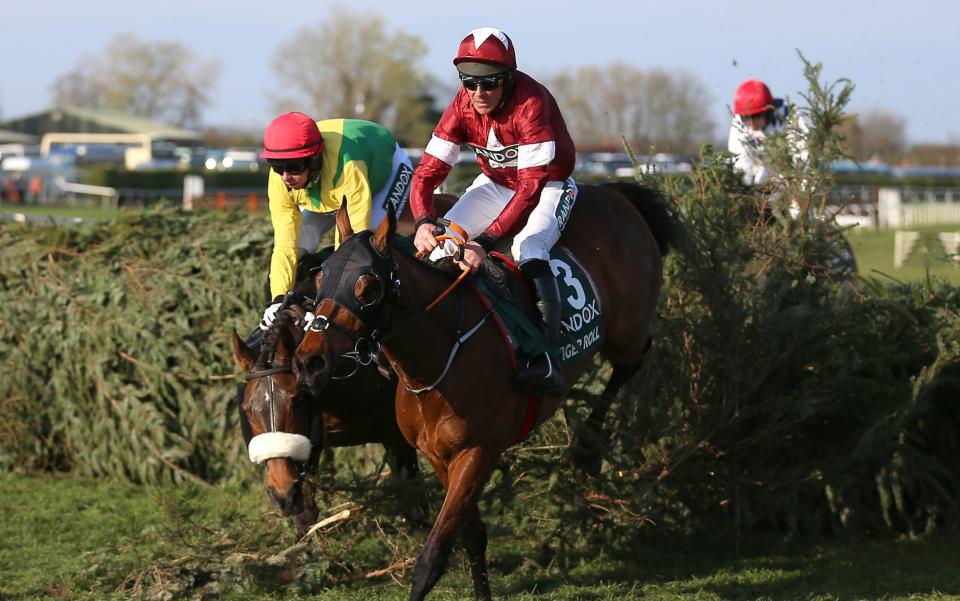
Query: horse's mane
point(284, 329)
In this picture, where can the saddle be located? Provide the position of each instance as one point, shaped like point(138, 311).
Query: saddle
point(508, 295)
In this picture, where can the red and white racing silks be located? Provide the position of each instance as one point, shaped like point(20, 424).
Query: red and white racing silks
point(522, 145)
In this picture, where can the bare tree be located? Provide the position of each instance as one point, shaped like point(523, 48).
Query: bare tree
point(655, 108)
point(156, 80)
point(350, 66)
point(943, 155)
point(876, 133)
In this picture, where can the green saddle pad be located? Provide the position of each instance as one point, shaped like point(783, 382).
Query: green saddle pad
point(580, 314)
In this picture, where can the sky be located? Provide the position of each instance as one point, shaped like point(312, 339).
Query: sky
point(903, 57)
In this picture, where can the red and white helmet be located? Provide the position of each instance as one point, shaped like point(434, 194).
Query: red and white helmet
point(291, 136)
point(752, 97)
point(486, 50)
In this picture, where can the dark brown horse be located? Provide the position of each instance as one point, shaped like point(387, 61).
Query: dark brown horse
point(295, 423)
point(459, 401)
point(287, 425)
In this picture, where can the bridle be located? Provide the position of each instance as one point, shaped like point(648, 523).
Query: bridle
point(366, 348)
point(272, 443)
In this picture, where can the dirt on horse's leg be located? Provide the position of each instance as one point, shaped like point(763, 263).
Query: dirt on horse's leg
point(475, 541)
point(592, 443)
point(465, 477)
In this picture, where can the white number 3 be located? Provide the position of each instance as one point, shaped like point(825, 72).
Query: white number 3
point(578, 299)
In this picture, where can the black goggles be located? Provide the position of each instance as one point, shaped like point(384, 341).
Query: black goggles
point(293, 167)
point(487, 83)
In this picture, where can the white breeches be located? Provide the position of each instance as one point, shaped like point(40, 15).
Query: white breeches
point(483, 202)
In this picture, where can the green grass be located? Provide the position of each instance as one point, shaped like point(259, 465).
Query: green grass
point(83, 539)
point(874, 252)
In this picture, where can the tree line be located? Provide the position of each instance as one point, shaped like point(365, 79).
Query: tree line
point(357, 68)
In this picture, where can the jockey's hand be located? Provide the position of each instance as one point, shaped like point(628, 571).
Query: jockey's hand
point(424, 239)
point(473, 256)
point(270, 314)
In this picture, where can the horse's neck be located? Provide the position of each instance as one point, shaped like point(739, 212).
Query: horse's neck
point(419, 332)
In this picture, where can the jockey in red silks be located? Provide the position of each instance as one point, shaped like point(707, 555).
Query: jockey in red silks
point(526, 157)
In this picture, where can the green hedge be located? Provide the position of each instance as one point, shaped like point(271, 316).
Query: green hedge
point(776, 394)
point(115, 347)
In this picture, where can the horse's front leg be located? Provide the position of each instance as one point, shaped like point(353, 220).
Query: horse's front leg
point(475, 540)
point(465, 477)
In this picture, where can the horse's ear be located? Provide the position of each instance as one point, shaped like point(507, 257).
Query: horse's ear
point(386, 229)
point(343, 221)
point(244, 357)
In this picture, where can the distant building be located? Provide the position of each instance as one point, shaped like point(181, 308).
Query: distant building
point(13, 137)
point(75, 127)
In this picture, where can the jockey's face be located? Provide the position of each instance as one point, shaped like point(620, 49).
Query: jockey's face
point(485, 101)
point(294, 172)
point(755, 122)
point(296, 181)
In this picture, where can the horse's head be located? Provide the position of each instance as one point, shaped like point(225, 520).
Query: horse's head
point(279, 421)
point(354, 289)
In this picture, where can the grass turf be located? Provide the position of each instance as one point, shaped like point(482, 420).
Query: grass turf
point(60, 532)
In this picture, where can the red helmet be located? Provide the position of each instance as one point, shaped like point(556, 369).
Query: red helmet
point(752, 97)
point(486, 47)
point(291, 136)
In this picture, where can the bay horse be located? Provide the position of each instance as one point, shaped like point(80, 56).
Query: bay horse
point(459, 402)
point(287, 425)
point(290, 424)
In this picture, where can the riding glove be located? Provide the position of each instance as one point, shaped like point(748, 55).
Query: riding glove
point(307, 320)
point(270, 314)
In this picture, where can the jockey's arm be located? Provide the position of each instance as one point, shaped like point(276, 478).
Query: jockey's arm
point(285, 216)
point(438, 158)
point(536, 150)
point(514, 216)
point(355, 187)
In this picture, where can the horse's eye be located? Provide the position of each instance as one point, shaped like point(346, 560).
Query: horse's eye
point(368, 290)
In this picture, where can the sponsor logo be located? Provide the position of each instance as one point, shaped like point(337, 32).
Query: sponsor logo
point(397, 197)
point(565, 207)
point(571, 350)
point(582, 318)
point(498, 157)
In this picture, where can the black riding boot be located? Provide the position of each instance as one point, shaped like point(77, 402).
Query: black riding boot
point(543, 370)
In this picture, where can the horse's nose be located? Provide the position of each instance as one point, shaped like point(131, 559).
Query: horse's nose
point(312, 369)
point(290, 502)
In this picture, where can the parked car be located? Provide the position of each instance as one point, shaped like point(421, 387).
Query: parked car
point(232, 160)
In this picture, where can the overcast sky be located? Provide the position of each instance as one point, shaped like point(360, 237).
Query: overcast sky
point(903, 56)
